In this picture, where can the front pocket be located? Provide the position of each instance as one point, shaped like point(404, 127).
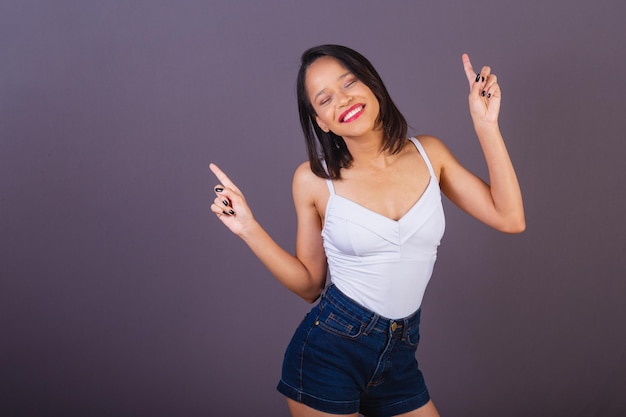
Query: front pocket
point(339, 324)
point(413, 335)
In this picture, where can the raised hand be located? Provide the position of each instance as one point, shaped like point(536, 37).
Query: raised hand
point(230, 205)
point(485, 94)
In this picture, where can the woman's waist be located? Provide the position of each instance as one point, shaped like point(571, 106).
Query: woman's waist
point(347, 305)
point(391, 296)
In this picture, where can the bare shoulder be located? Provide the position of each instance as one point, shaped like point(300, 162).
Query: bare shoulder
point(304, 171)
point(304, 176)
point(437, 152)
point(306, 185)
point(432, 144)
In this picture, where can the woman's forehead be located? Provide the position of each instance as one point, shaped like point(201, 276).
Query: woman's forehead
point(325, 64)
point(323, 72)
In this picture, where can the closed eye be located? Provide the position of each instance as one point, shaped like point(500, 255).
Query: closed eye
point(349, 83)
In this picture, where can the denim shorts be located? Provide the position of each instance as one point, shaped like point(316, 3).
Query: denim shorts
point(345, 358)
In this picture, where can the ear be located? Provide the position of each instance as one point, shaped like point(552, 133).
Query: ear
point(322, 125)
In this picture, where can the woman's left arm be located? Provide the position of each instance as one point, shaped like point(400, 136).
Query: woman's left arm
point(499, 203)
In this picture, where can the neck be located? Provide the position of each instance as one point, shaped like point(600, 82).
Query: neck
point(367, 150)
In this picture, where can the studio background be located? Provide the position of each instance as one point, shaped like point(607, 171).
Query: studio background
point(122, 295)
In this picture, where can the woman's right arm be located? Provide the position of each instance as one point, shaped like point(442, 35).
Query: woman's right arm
point(304, 273)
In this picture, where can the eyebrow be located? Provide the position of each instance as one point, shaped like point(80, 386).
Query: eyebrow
point(341, 77)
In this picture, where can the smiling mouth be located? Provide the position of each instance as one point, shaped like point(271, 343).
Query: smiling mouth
point(352, 113)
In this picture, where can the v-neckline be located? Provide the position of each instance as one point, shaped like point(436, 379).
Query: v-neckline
point(404, 215)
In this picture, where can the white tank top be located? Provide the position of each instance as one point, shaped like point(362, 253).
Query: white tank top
point(384, 264)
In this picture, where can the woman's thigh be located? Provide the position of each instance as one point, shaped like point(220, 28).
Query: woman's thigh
point(427, 410)
point(300, 410)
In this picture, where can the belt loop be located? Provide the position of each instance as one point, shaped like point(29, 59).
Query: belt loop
point(371, 324)
point(325, 290)
point(323, 299)
point(405, 331)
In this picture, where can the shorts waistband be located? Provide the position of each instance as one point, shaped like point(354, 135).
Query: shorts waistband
point(370, 319)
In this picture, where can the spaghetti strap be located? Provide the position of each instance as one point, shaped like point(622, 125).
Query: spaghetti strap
point(329, 182)
point(331, 187)
point(422, 152)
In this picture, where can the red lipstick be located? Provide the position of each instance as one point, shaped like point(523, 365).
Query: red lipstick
point(352, 113)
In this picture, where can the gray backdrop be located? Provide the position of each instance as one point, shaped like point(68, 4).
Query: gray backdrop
point(122, 295)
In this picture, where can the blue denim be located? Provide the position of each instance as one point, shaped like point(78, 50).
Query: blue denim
point(345, 358)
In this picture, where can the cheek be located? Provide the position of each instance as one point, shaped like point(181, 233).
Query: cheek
point(369, 94)
point(325, 116)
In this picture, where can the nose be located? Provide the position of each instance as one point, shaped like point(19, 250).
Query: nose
point(344, 99)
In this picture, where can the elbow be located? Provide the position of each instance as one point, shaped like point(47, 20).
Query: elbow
point(516, 230)
point(311, 300)
point(312, 294)
point(514, 227)
point(311, 297)
point(510, 222)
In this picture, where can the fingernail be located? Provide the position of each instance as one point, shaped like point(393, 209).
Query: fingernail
point(225, 202)
point(483, 79)
point(224, 212)
point(483, 93)
point(218, 189)
point(489, 95)
point(231, 211)
point(477, 77)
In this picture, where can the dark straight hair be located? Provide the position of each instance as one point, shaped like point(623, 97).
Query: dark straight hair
point(329, 147)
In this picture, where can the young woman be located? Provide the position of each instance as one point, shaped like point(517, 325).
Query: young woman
point(368, 204)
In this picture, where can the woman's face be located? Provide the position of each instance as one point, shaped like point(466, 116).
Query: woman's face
point(343, 104)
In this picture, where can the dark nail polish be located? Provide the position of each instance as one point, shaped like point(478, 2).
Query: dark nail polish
point(218, 189)
point(483, 79)
point(231, 211)
point(477, 77)
point(225, 202)
point(489, 95)
point(483, 93)
point(224, 212)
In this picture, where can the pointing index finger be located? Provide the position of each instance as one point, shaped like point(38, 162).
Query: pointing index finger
point(221, 176)
point(469, 70)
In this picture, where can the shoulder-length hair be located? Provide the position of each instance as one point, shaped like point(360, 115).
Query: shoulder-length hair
point(328, 148)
